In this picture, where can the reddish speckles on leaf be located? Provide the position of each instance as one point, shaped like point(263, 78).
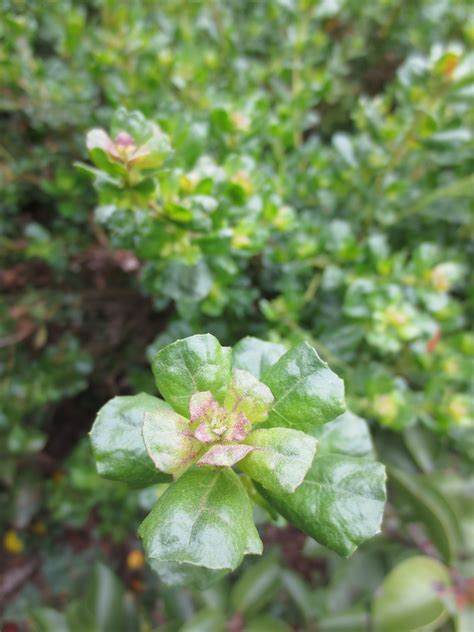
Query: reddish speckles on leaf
point(204, 434)
point(240, 429)
point(202, 405)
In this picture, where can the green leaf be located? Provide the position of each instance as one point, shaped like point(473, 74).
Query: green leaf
point(248, 396)
point(299, 592)
point(105, 606)
point(340, 502)
point(354, 620)
point(411, 596)
point(207, 620)
point(266, 623)
point(189, 366)
point(117, 441)
point(169, 441)
point(281, 458)
point(47, 620)
point(187, 575)
point(205, 518)
point(347, 434)
point(255, 355)
point(431, 508)
point(307, 393)
point(183, 282)
point(422, 446)
point(257, 586)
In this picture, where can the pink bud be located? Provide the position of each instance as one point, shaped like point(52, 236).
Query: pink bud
point(123, 139)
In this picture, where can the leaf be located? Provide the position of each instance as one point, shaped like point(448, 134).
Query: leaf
point(224, 455)
point(183, 282)
point(104, 606)
point(307, 393)
point(207, 620)
point(340, 502)
point(431, 508)
point(169, 441)
point(422, 446)
point(347, 434)
point(188, 575)
point(255, 355)
point(248, 396)
point(281, 458)
point(189, 366)
point(343, 144)
point(117, 440)
point(300, 593)
point(354, 620)
point(266, 623)
point(205, 519)
point(257, 586)
point(47, 620)
point(411, 596)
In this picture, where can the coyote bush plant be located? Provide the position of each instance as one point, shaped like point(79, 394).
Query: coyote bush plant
point(258, 408)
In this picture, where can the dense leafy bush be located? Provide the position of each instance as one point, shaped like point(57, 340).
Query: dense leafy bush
point(298, 172)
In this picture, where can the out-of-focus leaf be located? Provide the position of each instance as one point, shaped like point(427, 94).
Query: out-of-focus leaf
point(105, 606)
point(411, 596)
point(207, 620)
point(48, 620)
point(431, 508)
point(257, 586)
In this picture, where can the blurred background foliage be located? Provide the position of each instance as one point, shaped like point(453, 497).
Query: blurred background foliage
point(314, 181)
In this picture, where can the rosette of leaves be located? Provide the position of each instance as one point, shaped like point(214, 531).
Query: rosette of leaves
point(260, 409)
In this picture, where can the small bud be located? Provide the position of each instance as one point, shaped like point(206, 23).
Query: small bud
point(123, 139)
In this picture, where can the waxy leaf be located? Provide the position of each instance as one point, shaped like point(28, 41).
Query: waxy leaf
point(117, 441)
point(225, 455)
point(205, 519)
point(307, 393)
point(255, 355)
point(248, 396)
point(169, 441)
point(340, 502)
point(411, 597)
point(189, 575)
point(189, 366)
point(281, 458)
point(347, 434)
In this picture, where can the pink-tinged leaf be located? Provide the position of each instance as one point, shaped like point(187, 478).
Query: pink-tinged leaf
point(204, 434)
point(202, 405)
point(240, 429)
point(225, 455)
point(169, 441)
point(98, 139)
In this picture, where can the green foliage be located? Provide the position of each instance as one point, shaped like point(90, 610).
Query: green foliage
point(204, 518)
point(293, 171)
